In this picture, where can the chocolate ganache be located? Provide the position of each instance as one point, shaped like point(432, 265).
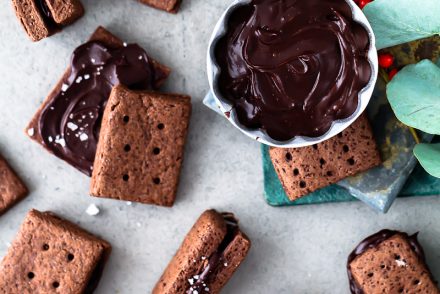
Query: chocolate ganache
point(292, 67)
point(372, 242)
point(217, 258)
point(45, 13)
point(70, 123)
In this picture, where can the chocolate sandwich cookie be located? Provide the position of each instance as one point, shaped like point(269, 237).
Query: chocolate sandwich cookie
point(390, 262)
point(68, 122)
point(12, 189)
point(171, 6)
point(141, 146)
point(304, 170)
point(52, 255)
point(42, 18)
point(291, 68)
point(208, 257)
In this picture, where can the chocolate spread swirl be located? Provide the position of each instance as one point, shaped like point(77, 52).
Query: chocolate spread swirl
point(372, 242)
point(70, 123)
point(292, 67)
point(217, 258)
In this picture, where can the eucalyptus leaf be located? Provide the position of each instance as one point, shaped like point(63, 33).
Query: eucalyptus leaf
point(429, 157)
point(396, 22)
point(414, 95)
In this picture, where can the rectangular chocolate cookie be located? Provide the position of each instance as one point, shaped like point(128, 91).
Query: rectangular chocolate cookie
point(83, 126)
point(208, 257)
point(390, 262)
point(42, 18)
point(171, 6)
point(12, 189)
point(52, 255)
point(141, 146)
point(304, 170)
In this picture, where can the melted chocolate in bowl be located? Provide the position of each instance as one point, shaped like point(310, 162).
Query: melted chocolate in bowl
point(293, 67)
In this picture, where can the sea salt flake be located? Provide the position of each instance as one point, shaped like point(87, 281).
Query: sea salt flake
point(225, 264)
point(50, 139)
point(196, 277)
point(203, 257)
point(140, 57)
point(64, 87)
point(92, 210)
point(86, 77)
point(125, 44)
point(72, 126)
point(83, 137)
point(78, 80)
point(93, 60)
point(400, 263)
point(207, 289)
point(31, 132)
point(61, 141)
point(191, 281)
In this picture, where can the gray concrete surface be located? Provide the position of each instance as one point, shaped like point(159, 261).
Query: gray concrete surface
point(295, 250)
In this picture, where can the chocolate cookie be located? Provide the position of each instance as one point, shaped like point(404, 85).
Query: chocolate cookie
point(42, 18)
point(307, 169)
point(389, 262)
point(171, 6)
point(68, 122)
point(52, 255)
point(208, 257)
point(12, 189)
point(141, 146)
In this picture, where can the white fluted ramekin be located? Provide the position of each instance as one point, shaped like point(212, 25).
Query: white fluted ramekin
point(299, 141)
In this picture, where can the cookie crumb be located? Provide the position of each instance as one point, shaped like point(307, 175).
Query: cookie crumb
point(92, 210)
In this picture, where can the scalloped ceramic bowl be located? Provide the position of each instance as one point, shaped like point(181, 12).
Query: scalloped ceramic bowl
point(299, 141)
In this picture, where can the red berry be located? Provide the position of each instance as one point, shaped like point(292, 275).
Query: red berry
point(386, 60)
point(362, 3)
point(392, 73)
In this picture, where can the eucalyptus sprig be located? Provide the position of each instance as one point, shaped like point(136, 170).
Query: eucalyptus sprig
point(414, 92)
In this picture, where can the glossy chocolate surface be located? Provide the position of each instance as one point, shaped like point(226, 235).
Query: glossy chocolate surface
point(372, 242)
point(292, 67)
point(217, 258)
point(70, 123)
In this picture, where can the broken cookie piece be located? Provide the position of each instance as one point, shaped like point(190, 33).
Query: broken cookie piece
point(208, 257)
point(171, 6)
point(307, 169)
point(389, 262)
point(12, 189)
point(42, 18)
point(52, 255)
point(141, 146)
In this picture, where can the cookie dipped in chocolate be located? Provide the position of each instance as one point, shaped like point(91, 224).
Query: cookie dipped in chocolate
point(372, 242)
point(70, 123)
point(292, 67)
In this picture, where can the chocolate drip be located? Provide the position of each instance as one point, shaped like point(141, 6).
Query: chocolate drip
point(70, 123)
point(372, 242)
point(293, 67)
point(217, 258)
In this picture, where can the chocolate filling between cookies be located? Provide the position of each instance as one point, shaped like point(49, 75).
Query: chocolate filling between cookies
point(291, 68)
point(217, 258)
point(372, 242)
point(48, 19)
point(69, 125)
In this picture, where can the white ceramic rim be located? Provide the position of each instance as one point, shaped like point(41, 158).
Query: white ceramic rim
point(299, 141)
